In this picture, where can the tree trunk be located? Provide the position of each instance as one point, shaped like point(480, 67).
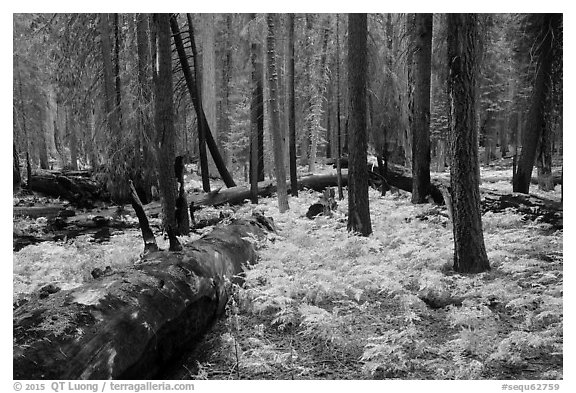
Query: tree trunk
point(544, 160)
point(193, 90)
point(108, 77)
point(407, 135)
point(165, 133)
point(208, 85)
point(469, 250)
point(43, 149)
point(73, 147)
point(358, 204)
point(227, 68)
point(306, 127)
point(536, 122)
point(130, 324)
point(275, 129)
point(256, 119)
point(16, 177)
point(291, 107)
point(22, 112)
point(421, 117)
point(144, 119)
point(338, 114)
point(118, 84)
point(317, 100)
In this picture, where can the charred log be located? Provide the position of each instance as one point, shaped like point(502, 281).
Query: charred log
point(127, 324)
point(80, 190)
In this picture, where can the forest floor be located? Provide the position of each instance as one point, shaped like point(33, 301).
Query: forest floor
point(325, 304)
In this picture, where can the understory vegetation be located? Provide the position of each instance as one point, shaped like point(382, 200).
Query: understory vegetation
point(324, 303)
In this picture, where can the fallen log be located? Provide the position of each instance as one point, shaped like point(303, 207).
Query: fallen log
point(396, 177)
point(232, 196)
point(80, 190)
point(531, 207)
point(48, 211)
point(127, 324)
point(64, 226)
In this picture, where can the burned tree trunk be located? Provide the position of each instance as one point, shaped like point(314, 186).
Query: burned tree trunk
point(127, 324)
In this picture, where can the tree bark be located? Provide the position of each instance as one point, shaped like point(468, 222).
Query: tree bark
point(421, 118)
point(469, 250)
point(108, 79)
point(118, 81)
point(291, 107)
point(407, 135)
point(338, 114)
point(277, 139)
point(358, 204)
point(146, 133)
point(165, 132)
point(256, 119)
point(208, 85)
point(536, 122)
point(227, 68)
point(129, 324)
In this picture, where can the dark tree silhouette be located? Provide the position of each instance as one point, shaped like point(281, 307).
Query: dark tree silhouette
point(358, 205)
point(549, 27)
point(421, 117)
point(469, 250)
point(291, 108)
point(165, 132)
point(256, 119)
point(274, 117)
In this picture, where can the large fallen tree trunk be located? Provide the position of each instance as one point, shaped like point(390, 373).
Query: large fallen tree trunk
point(80, 190)
point(238, 195)
point(128, 323)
